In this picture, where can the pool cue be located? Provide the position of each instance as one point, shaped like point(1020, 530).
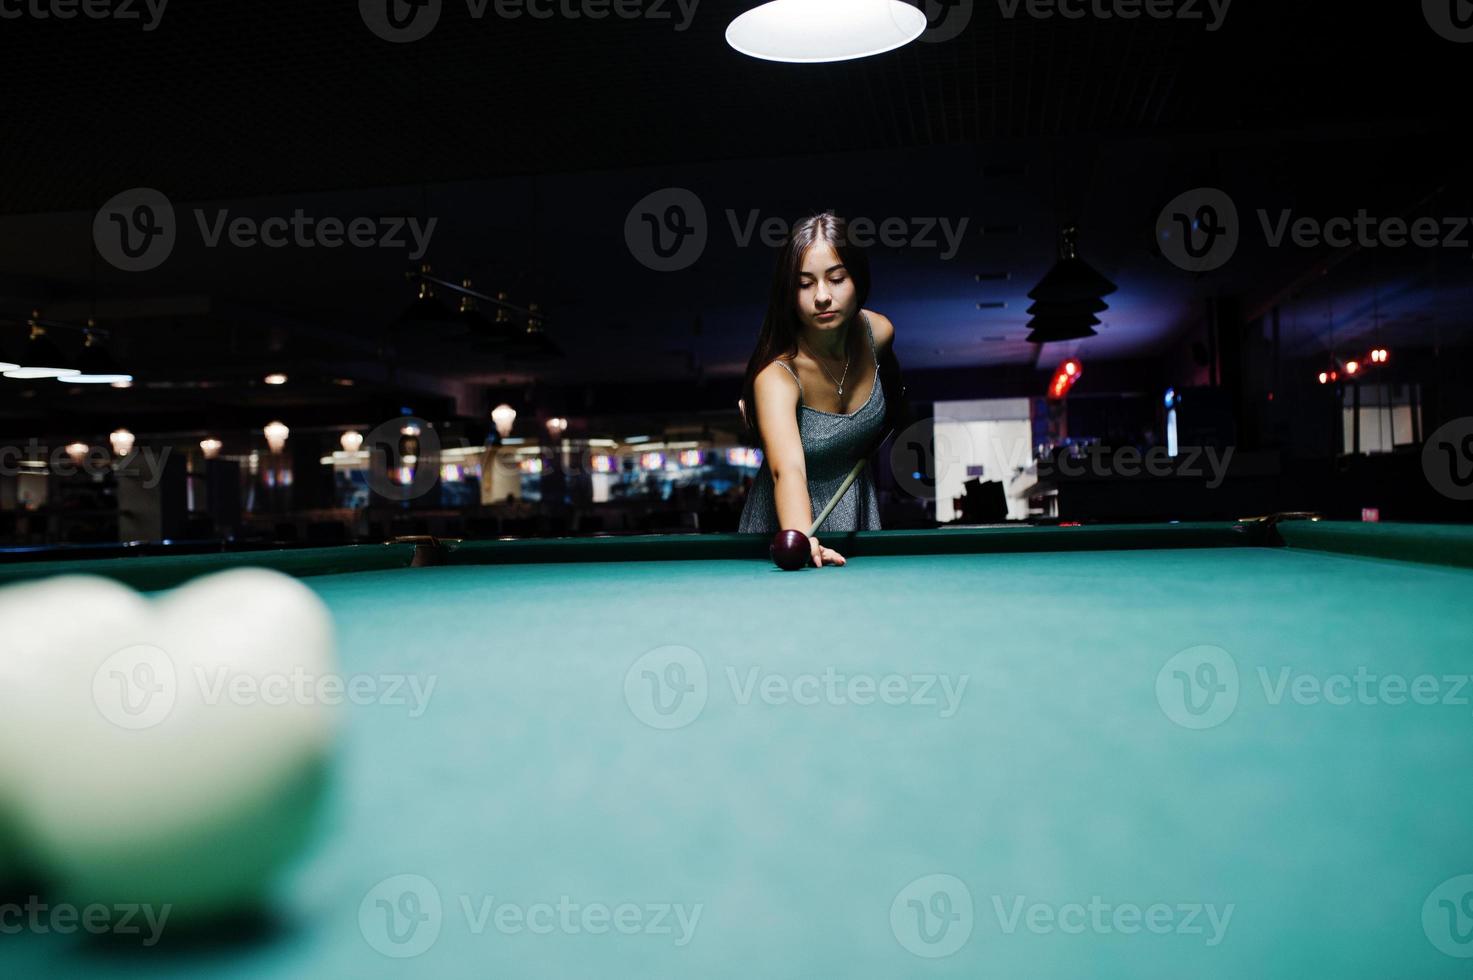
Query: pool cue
point(848, 481)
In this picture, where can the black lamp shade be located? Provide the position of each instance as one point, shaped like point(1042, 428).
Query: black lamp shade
point(97, 366)
point(41, 358)
point(484, 332)
point(533, 345)
point(1084, 307)
point(1056, 328)
point(425, 313)
point(1071, 280)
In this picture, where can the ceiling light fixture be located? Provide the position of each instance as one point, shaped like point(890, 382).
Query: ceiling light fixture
point(1067, 297)
point(503, 416)
point(276, 435)
point(95, 364)
point(41, 358)
point(813, 31)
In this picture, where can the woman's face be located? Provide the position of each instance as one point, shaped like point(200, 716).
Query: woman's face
point(826, 297)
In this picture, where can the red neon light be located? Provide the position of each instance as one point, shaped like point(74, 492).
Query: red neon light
point(1064, 377)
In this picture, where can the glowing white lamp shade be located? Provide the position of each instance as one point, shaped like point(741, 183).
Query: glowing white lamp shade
point(122, 442)
point(211, 447)
point(276, 435)
point(824, 30)
point(77, 452)
point(352, 441)
point(503, 415)
point(556, 426)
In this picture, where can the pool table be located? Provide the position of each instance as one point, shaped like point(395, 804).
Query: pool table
point(1206, 750)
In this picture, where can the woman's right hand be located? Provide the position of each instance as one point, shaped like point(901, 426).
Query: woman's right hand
point(823, 556)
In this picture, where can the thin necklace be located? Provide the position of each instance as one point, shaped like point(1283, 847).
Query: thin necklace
point(840, 383)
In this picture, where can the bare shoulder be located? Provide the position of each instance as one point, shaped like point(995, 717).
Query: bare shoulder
point(884, 329)
point(775, 382)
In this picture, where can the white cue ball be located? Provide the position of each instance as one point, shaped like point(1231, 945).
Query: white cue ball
point(46, 622)
point(189, 757)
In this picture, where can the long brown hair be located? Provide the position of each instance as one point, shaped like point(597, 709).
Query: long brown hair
point(779, 336)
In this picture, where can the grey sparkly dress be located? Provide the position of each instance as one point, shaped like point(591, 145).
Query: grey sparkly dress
point(831, 444)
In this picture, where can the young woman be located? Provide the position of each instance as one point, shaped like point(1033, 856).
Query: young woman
point(813, 391)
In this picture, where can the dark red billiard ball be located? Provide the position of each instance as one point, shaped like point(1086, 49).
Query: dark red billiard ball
point(790, 550)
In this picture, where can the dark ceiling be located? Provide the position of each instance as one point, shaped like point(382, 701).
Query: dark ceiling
point(226, 99)
point(528, 140)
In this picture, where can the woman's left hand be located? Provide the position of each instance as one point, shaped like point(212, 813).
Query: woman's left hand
point(823, 556)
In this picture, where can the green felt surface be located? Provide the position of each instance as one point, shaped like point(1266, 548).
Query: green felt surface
point(1060, 778)
point(149, 573)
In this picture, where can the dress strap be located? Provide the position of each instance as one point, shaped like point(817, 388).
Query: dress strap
point(795, 378)
point(873, 352)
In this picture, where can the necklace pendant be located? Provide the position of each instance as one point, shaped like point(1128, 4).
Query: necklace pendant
point(841, 391)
